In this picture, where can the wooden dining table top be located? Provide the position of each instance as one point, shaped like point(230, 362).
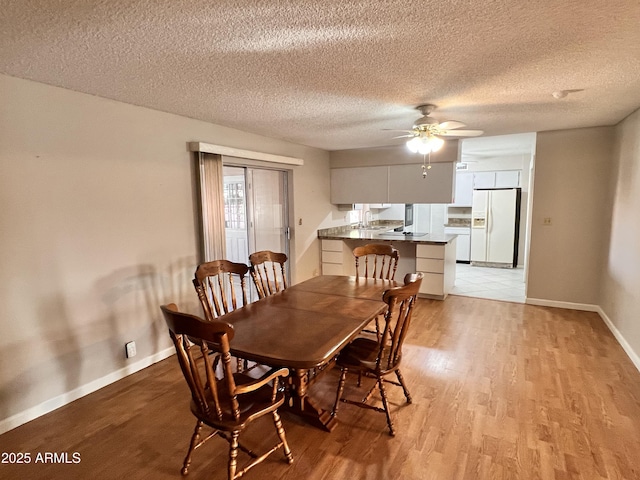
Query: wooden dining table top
point(307, 324)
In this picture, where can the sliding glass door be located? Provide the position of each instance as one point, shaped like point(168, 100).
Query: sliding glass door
point(256, 211)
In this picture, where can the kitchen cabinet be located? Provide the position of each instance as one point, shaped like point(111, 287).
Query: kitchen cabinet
point(498, 179)
point(359, 185)
point(463, 195)
point(508, 179)
point(406, 184)
point(484, 179)
point(438, 265)
point(393, 184)
point(437, 261)
point(463, 242)
point(334, 256)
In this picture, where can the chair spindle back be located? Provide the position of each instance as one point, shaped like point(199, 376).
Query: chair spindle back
point(380, 261)
point(401, 301)
point(216, 283)
point(268, 272)
point(190, 335)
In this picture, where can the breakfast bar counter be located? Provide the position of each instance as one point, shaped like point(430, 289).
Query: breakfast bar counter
point(432, 254)
point(377, 236)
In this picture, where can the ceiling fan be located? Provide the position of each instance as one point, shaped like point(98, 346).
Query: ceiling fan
point(425, 137)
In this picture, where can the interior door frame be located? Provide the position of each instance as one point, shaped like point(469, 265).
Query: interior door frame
point(287, 173)
point(251, 209)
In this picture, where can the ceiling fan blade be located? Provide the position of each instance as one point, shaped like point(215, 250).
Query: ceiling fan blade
point(461, 133)
point(404, 136)
point(451, 124)
point(396, 130)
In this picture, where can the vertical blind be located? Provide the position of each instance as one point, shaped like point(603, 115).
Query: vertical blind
point(211, 184)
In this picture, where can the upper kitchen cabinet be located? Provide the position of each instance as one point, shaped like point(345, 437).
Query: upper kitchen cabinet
point(360, 185)
point(484, 179)
point(464, 190)
point(407, 185)
point(508, 179)
point(392, 184)
point(499, 179)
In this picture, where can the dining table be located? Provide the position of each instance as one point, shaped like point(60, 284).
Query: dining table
point(303, 328)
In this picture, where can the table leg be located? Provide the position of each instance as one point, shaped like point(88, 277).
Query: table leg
point(299, 402)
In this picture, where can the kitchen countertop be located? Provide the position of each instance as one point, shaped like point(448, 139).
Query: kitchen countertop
point(383, 235)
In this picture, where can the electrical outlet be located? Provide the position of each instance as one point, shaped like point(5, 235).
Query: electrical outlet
point(546, 221)
point(130, 349)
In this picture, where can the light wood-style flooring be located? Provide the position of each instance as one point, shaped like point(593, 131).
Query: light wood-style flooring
point(501, 391)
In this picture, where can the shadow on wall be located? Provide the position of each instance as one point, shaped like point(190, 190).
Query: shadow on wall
point(82, 334)
point(132, 297)
point(28, 367)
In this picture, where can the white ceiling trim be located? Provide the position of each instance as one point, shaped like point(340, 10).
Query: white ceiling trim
point(238, 152)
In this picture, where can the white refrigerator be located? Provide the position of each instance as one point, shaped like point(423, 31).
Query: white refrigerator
point(495, 226)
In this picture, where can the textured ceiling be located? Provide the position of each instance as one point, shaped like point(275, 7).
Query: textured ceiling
point(334, 73)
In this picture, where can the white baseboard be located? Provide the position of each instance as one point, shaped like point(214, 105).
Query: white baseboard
point(587, 307)
point(68, 397)
point(633, 356)
point(621, 340)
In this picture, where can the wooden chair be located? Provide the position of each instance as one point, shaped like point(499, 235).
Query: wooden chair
point(379, 358)
point(376, 258)
point(227, 404)
point(216, 283)
point(268, 272)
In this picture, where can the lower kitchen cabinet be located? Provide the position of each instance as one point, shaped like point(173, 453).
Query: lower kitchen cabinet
point(463, 251)
point(436, 261)
point(463, 242)
point(334, 256)
point(438, 265)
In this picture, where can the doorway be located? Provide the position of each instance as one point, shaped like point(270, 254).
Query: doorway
point(255, 212)
point(500, 158)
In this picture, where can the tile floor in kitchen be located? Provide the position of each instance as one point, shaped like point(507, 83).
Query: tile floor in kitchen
point(505, 284)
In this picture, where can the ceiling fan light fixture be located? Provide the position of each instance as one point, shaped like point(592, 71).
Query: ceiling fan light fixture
point(436, 144)
point(425, 144)
point(414, 144)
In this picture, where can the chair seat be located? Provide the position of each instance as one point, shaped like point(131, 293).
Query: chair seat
point(361, 355)
point(254, 404)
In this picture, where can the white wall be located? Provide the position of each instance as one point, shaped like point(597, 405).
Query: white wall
point(97, 230)
point(620, 285)
point(572, 171)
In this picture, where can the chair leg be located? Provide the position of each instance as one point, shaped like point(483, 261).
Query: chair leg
point(343, 376)
point(404, 386)
point(280, 430)
point(233, 455)
point(385, 404)
point(192, 446)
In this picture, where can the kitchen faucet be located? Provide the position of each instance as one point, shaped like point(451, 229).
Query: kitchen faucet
point(367, 219)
